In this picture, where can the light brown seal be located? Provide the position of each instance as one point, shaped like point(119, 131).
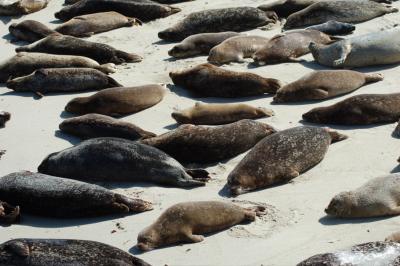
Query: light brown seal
point(9, 214)
point(30, 31)
point(21, 7)
point(4, 117)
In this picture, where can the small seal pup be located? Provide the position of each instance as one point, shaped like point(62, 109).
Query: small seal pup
point(4, 117)
point(280, 157)
point(324, 84)
point(29, 31)
point(120, 160)
point(87, 25)
point(333, 27)
point(219, 114)
point(118, 102)
point(289, 46)
point(200, 144)
point(218, 20)
point(207, 80)
point(52, 196)
point(200, 44)
point(9, 214)
point(187, 221)
point(376, 48)
point(235, 49)
point(63, 252)
point(363, 109)
point(62, 80)
point(21, 7)
point(94, 126)
point(69, 45)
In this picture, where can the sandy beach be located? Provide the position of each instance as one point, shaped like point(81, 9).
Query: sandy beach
point(296, 226)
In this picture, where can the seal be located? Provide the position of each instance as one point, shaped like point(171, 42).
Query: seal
point(68, 45)
point(219, 114)
point(63, 252)
point(364, 109)
point(118, 102)
point(142, 10)
point(187, 221)
point(87, 25)
point(9, 214)
point(218, 20)
point(52, 196)
point(62, 80)
point(324, 84)
point(121, 160)
point(23, 64)
point(29, 31)
point(377, 48)
point(200, 44)
point(339, 10)
point(378, 197)
point(280, 157)
point(333, 27)
point(207, 80)
point(235, 49)
point(21, 7)
point(95, 126)
point(4, 117)
point(199, 144)
point(288, 47)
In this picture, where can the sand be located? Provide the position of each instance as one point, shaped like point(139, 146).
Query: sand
point(296, 226)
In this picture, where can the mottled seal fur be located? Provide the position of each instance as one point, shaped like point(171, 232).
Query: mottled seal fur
point(29, 31)
point(87, 25)
point(117, 102)
point(69, 45)
point(200, 144)
point(9, 214)
point(364, 109)
point(218, 20)
point(21, 7)
point(211, 81)
point(186, 222)
point(333, 27)
point(324, 84)
point(280, 157)
point(4, 117)
point(200, 44)
point(120, 160)
point(63, 252)
point(96, 125)
point(219, 114)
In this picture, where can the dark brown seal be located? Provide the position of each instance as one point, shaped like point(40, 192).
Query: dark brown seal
point(29, 31)
point(21, 7)
point(9, 214)
point(4, 117)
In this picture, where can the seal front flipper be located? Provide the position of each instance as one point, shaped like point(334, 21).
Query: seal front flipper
point(189, 183)
point(194, 238)
point(344, 51)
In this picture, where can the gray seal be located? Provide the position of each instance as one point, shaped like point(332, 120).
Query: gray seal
point(21, 7)
point(333, 27)
point(29, 31)
point(4, 117)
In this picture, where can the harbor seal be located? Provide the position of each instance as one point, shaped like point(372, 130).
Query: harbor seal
point(200, 44)
point(377, 48)
point(120, 160)
point(23, 64)
point(199, 144)
point(63, 252)
point(118, 102)
point(29, 31)
point(9, 214)
point(4, 117)
point(218, 20)
point(324, 84)
point(94, 126)
point(62, 80)
point(219, 114)
point(206, 80)
point(364, 109)
point(333, 27)
point(187, 221)
point(52, 196)
point(280, 157)
point(68, 45)
point(235, 49)
point(87, 25)
point(21, 7)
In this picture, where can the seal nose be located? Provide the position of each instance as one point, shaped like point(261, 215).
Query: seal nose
point(143, 247)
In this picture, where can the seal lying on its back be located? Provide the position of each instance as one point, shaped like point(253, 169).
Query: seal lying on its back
point(378, 197)
point(120, 160)
point(186, 222)
point(377, 48)
point(64, 252)
point(95, 125)
point(87, 25)
point(117, 102)
point(211, 81)
point(333, 27)
point(21, 7)
point(324, 84)
point(53, 196)
point(29, 31)
point(281, 157)
point(9, 214)
point(364, 109)
point(218, 20)
point(199, 144)
point(4, 117)
point(200, 44)
point(68, 45)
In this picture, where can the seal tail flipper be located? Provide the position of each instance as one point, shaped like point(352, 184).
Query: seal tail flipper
point(175, 10)
point(190, 183)
point(335, 136)
point(107, 68)
point(198, 174)
point(134, 205)
point(391, 9)
point(273, 85)
point(112, 82)
point(133, 22)
point(130, 58)
point(375, 77)
point(334, 39)
point(258, 210)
